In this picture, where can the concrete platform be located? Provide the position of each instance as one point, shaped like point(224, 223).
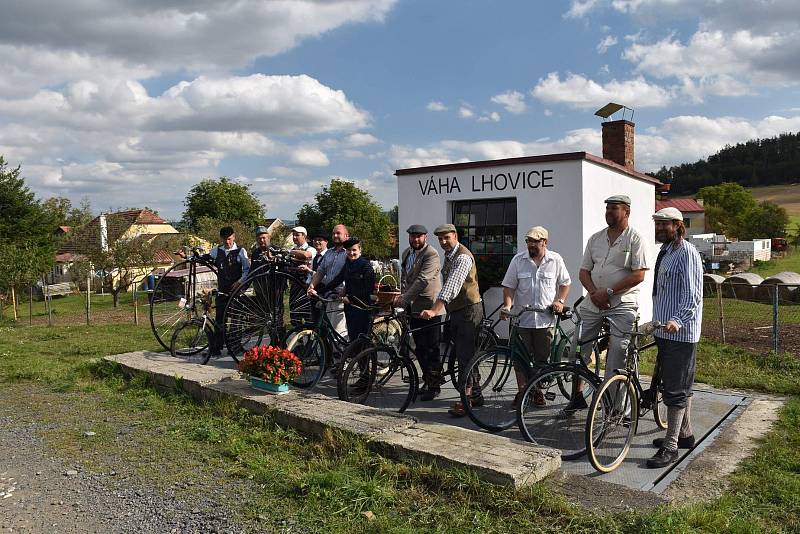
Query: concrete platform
point(493, 458)
point(425, 432)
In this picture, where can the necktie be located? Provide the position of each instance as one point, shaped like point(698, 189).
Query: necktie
point(658, 265)
point(410, 261)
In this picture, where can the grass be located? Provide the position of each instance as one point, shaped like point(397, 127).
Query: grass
point(325, 484)
point(74, 304)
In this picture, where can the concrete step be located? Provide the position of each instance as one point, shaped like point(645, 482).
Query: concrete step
point(495, 459)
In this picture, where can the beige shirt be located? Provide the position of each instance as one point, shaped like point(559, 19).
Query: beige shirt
point(611, 262)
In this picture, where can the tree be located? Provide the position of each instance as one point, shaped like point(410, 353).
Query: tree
point(767, 220)
point(223, 200)
point(208, 229)
point(341, 202)
point(726, 205)
point(25, 231)
point(65, 214)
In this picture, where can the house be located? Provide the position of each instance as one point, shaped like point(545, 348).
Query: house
point(131, 226)
point(694, 214)
point(493, 203)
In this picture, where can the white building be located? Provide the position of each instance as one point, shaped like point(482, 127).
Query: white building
point(493, 204)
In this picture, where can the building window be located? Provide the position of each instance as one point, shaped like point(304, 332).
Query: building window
point(489, 229)
point(687, 223)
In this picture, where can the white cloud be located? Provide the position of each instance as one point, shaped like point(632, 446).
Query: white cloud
point(579, 8)
point(436, 106)
point(465, 113)
point(173, 35)
point(309, 156)
point(361, 139)
point(512, 101)
point(580, 92)
point(607, 42)
point(489, 117)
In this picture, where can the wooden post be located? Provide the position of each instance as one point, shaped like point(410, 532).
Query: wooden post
point(30, 306)
point(135, 307)
point(775, 325)
point(721, 314)
point(48, 304)
point(89, 297)
point(14, 302)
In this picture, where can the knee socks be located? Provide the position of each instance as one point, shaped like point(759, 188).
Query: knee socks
point(674, 420)
point(686, 425)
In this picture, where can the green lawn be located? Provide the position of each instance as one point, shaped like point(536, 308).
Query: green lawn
point(74, 304)
point(325, 484)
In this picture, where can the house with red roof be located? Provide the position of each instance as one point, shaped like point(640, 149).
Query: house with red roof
point(694, 215)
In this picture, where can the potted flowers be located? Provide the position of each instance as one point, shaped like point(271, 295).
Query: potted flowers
point(270, 368)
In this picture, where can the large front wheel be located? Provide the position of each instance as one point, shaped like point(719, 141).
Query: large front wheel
point(612, 422)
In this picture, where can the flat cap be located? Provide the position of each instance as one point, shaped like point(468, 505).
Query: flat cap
point(444, 229)
point(668, 214)
point(537, 232)
point(417, 229)
point(300, 230)
point(261, 230)
point(619, 199)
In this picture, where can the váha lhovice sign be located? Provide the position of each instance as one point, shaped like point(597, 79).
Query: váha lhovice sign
point(487, 183)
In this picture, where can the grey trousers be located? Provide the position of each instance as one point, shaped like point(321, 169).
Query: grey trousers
point(464, 325)
point(621, 318)
point(678, 360)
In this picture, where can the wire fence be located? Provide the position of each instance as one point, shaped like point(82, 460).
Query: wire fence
point(759, 318)
point(66, 304)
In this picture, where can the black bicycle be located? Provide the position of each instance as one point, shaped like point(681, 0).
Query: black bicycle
point(619, 404)
point(551, 411)
point(191, 338)
point(176, 297)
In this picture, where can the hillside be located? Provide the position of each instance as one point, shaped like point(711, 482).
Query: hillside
point(759, 162)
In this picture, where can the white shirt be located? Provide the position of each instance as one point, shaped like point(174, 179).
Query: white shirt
point(536, 286)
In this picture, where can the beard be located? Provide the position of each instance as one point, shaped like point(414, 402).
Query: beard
point(665, 237)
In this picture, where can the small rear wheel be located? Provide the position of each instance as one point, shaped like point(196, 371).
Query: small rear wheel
point(310, 348)
point(380, 378)
point(190, 340)
point(611, 425)
point(501, 376)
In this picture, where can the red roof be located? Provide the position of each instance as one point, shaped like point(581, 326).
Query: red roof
point(685, 205)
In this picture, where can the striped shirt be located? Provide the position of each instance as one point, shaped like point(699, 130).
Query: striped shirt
point(679, 292)
point(459, 272)
point(331, 267)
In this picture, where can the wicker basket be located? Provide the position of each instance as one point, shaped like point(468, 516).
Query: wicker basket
point(386, 297)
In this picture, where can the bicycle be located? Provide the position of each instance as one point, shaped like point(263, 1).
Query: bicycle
point(192, 338)
point(256, 311)
point(174, 299)
point(619, 404)
point(503, 370)
point(548, 412)
point(485, 340)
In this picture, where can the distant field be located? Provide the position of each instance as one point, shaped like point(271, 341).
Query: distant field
point(787, 196)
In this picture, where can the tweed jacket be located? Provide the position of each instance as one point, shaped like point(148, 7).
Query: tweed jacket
point(422, 284)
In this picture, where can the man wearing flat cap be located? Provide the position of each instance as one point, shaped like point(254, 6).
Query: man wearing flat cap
point(462, 299)
point(614, 264)
point(232, 266)
point(420, 284)
point(677, 304)
point(535, 277)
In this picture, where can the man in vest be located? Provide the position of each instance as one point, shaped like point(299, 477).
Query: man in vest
point(232, 266)
point(260, 252)
point(462, 300)
point(421, 285)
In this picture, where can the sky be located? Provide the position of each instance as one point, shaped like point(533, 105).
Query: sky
point(129, 103)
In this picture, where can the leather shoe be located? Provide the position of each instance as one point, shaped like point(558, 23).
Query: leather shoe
point(430, 393)
point(683, 443)
point(575, 404)
point(662, 458)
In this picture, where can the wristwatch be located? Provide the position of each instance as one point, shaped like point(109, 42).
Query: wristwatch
point(560, 300)
point(609, 291)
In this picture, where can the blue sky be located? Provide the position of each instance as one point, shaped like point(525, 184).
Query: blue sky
point(130, 103)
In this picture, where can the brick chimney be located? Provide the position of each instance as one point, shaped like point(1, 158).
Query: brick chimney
point(618, 142)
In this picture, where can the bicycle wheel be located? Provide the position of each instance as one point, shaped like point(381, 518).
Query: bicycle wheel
point(189, 341)
point(380, 378)
point(487, 339)
point(611, 424)
point(548, 417)
point(253, 315)
point(310, 348)
point(175, 297)
point(565, 383)
point(660, 409)
point(501, 375)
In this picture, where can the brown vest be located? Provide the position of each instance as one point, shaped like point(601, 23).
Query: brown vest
point(469, 294)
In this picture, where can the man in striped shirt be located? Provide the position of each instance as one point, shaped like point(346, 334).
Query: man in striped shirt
point(678, 305)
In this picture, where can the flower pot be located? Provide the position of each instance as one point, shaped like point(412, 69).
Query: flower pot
point(269, 387)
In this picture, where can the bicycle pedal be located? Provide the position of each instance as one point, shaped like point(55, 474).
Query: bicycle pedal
point(550, 396)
